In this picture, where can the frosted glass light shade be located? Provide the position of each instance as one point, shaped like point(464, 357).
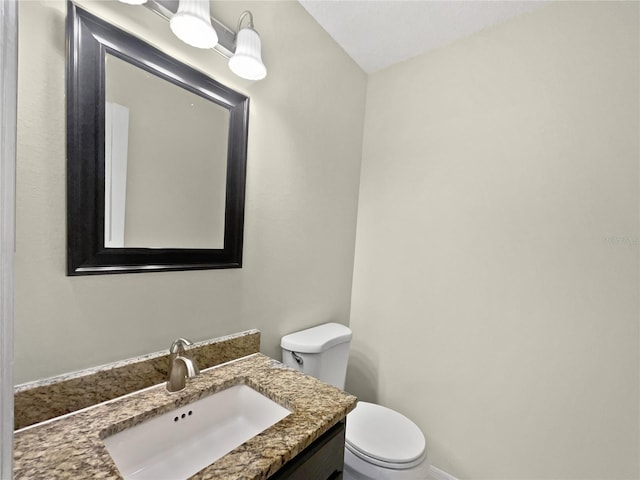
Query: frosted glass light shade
point(247, 61)
point(134, 2)
point(192, 24)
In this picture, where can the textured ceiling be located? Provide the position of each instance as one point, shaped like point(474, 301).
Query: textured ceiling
point(379, 33)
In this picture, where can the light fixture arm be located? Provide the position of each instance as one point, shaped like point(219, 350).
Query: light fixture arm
point(244, 15)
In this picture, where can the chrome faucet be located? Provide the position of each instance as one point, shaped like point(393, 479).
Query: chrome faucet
point(181, 367)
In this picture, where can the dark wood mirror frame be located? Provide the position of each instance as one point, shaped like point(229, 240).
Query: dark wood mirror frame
point(89, 39)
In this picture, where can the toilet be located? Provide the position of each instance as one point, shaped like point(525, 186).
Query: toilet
point(380, 443)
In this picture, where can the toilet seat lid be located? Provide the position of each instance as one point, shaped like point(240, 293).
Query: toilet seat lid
point(384, 436)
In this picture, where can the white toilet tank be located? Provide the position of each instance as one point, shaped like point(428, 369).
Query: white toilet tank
point(322, 352)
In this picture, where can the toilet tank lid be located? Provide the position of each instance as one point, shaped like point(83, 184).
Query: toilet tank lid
point(316, 339)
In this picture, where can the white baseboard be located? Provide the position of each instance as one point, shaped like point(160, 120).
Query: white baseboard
point(437, 474)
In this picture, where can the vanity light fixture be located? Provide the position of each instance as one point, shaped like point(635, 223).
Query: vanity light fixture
point(246, 62)
point(191, 22)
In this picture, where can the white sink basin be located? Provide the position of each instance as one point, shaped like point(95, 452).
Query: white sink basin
point(177, 444)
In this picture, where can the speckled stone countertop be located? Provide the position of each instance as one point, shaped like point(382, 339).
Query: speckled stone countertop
point(44, 399)
point(71, 447)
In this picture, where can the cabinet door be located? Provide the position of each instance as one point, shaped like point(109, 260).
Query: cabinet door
point(322, 460)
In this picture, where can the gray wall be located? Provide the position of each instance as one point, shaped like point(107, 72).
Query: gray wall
point(303, 172)
point(496, 290)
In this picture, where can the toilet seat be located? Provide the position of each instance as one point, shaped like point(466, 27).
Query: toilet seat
point(384, 437)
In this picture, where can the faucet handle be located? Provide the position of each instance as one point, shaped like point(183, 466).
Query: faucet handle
point(178, 346)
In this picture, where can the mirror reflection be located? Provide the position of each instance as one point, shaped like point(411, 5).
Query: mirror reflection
point(165, 162)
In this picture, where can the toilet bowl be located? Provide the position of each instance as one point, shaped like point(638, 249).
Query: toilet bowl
point(380, 443)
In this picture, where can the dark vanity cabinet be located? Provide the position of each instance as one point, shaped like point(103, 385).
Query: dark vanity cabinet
point(322, 460)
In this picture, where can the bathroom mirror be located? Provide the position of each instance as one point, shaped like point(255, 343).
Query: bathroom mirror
point(156, 158)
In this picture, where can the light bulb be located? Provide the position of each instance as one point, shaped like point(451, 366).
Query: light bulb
point(246, 62)
point(192, 24)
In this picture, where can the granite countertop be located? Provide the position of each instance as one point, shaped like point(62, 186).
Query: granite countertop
point(45, 399)
point(71, 447)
